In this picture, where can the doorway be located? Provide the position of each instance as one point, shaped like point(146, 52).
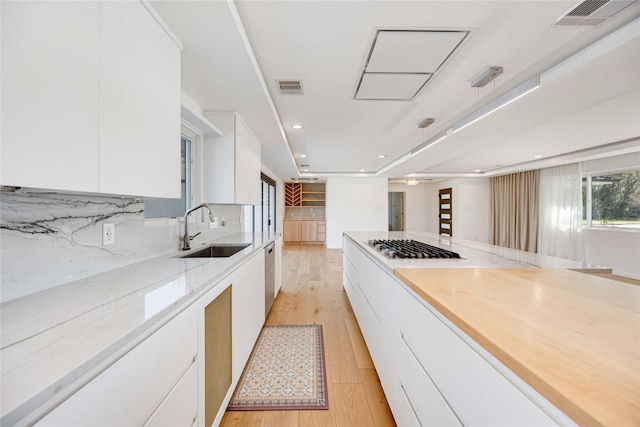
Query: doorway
point(396, 211)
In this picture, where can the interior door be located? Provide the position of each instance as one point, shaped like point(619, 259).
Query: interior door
point(396, 211)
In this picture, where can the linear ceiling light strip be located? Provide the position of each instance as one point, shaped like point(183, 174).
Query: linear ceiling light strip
point(498, 103)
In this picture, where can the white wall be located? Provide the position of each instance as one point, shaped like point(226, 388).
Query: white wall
point(416, 202)
point(617, 249)
point(613, 163)
point(471, 207)
point(355, 204)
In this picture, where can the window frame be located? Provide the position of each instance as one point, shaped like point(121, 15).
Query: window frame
point(588, 221)
point(258, 210)
point(194, 169)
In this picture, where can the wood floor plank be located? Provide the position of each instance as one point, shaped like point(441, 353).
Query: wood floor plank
point(378, 405)
point(352, 408)
point(280, 418)
point(242, 419)
point(360, 350)
point(297, 311)
point(344, 367)
point(277, 317)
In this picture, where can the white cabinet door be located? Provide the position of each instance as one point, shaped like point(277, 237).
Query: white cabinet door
point(130, 390)
point(232, 162)
point(50, 116)
point(475, 390)
point(247, 311)
point(278, 283)
point(426, 402)
point(181, 405)
point(139, 104)
point(372, 293)
point(90, 99)
point(247, 166)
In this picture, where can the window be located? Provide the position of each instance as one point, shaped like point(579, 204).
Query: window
point(264, 215)
point(173, 208)
point(612, 200)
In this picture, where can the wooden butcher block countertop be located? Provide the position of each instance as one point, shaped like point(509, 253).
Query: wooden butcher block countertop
point(573, 337)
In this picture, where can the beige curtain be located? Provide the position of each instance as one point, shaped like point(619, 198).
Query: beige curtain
point(514, 210)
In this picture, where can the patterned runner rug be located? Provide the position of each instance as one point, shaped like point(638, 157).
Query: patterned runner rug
point(285, 371)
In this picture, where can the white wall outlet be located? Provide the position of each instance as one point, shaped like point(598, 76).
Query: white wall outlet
point(214, 223)
point(108, 234)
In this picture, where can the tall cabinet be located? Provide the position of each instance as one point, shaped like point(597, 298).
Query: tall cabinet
point(94, 100)
point(304, 204)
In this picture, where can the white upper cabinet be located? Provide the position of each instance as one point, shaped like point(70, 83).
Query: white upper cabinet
point(90, 99)
point(232, 162)
point(139, 103)
point(50, 95)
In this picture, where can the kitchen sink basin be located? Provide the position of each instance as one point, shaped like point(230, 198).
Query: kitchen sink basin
point(216, 251)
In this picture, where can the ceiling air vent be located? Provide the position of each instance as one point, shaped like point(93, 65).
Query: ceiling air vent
point(591, 13)
point(290, 87)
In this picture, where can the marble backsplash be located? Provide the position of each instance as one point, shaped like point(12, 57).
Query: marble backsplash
point(48, 240)
point(304, 213)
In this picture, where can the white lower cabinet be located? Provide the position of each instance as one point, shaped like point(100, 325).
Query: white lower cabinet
point(247, 311)
point(278, 266)
point(424, 403)
point(429, 374)
point(131, 390)
point(372, 293)
point(180, 408)
point(476, 392)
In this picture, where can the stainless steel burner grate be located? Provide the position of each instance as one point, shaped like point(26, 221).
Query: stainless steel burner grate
point(410, 249)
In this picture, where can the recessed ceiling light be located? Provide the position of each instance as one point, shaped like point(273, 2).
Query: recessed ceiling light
point(537, 156)
point(478, 170)
point(305, 170)
point(382, 156)
point(361, 170)
point(297, 126)
point(303, 155)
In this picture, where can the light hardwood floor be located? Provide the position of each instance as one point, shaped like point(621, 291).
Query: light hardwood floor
point(312, 293)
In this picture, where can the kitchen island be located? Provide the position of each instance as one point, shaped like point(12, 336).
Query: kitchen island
point(482, 340)
point(56, 342)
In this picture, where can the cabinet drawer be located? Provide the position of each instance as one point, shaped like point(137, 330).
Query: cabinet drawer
point(405, 416)
point(426, 402)
point(477, 392)
point(130, 390)
point(181, 405)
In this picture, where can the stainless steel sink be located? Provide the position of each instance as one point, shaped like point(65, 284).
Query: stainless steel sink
point(217, 251)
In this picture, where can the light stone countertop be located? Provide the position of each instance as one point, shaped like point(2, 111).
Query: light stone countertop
point(472, 254)
point(55, 341)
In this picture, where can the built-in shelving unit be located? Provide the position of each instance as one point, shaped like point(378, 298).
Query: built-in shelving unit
point(304, 195)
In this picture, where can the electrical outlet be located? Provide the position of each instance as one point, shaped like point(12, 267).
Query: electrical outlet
point(108, 234)
point(214, 223)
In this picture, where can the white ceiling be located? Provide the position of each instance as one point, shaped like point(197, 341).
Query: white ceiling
point(235, 51)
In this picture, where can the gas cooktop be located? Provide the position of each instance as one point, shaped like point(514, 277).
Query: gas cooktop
point(410, 249)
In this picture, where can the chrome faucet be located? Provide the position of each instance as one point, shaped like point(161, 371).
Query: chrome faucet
point(186, 238)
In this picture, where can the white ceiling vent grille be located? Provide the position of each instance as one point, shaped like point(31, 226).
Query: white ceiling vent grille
point(290, 87)
point(591, 13)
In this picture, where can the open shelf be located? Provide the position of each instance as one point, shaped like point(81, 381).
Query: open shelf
point(298, 194)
